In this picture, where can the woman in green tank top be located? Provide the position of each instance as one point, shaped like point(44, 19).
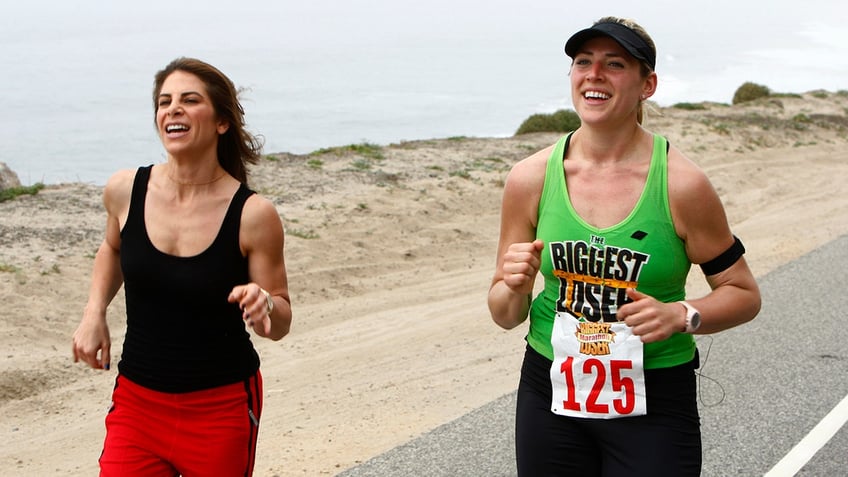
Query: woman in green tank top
point(612, 217)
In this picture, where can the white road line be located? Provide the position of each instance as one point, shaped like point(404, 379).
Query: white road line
point(809, 445)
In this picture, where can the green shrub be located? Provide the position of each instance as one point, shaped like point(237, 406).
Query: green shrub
point(304, 234)
point(749, 92)
point(690, 106)
point(361, 164)
point(365, 149)
point(12, 192)
point(563, 120)
point(6, 268)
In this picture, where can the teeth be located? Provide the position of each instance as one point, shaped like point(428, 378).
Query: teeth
point(596, 95)
point(176, 127)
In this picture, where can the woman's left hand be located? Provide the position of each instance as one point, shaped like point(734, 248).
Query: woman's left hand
point(254, 306)
point(650, 319)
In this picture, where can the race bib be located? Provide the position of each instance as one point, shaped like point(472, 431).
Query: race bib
point(597, 370)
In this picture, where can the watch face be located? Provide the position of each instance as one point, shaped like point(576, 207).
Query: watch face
point(693, 318)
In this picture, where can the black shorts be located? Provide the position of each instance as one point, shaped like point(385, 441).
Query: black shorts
point(664, 442)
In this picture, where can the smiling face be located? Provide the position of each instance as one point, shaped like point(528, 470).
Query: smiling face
point(185, 116)
point(607, 83)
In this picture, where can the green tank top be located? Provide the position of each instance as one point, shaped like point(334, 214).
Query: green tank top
point(587, 269)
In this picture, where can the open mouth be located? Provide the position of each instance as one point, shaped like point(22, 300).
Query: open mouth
point(596, 95)
point(172, 128)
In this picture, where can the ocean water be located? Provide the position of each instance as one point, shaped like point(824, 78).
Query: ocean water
point(77, 76)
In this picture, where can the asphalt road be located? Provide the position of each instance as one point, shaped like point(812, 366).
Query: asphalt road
point(764, 387)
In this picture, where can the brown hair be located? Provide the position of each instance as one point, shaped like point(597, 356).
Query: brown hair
point(237, 147)
point(645, 69)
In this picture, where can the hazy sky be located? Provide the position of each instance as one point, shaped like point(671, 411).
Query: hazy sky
point(704, 46)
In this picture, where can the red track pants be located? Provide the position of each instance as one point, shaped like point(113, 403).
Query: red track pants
point(201, 433)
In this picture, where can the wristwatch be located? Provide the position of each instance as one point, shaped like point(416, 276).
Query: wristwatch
point(693, 318)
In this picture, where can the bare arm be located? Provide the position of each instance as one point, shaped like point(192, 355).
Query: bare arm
point(701, 222)
point(91, 340)
point(262, 239)
point(518, 255)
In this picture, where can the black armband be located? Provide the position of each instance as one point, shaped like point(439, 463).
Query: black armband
point(726, 259)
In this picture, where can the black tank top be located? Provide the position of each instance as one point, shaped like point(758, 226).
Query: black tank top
point(182, 334)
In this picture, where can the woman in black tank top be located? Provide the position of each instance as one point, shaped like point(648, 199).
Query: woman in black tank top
point(200, 256)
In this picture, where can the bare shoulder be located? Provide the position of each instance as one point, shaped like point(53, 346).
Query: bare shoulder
point(118, 190)
point(120, 180)
point(523, 191)
point(260, 207)
point(686, 180)
point(528, 174)
point(260, 215)
point(698, 213)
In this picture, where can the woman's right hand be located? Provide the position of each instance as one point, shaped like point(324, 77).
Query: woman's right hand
point(92, 334)
point(521, 262)
point(91, 338)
